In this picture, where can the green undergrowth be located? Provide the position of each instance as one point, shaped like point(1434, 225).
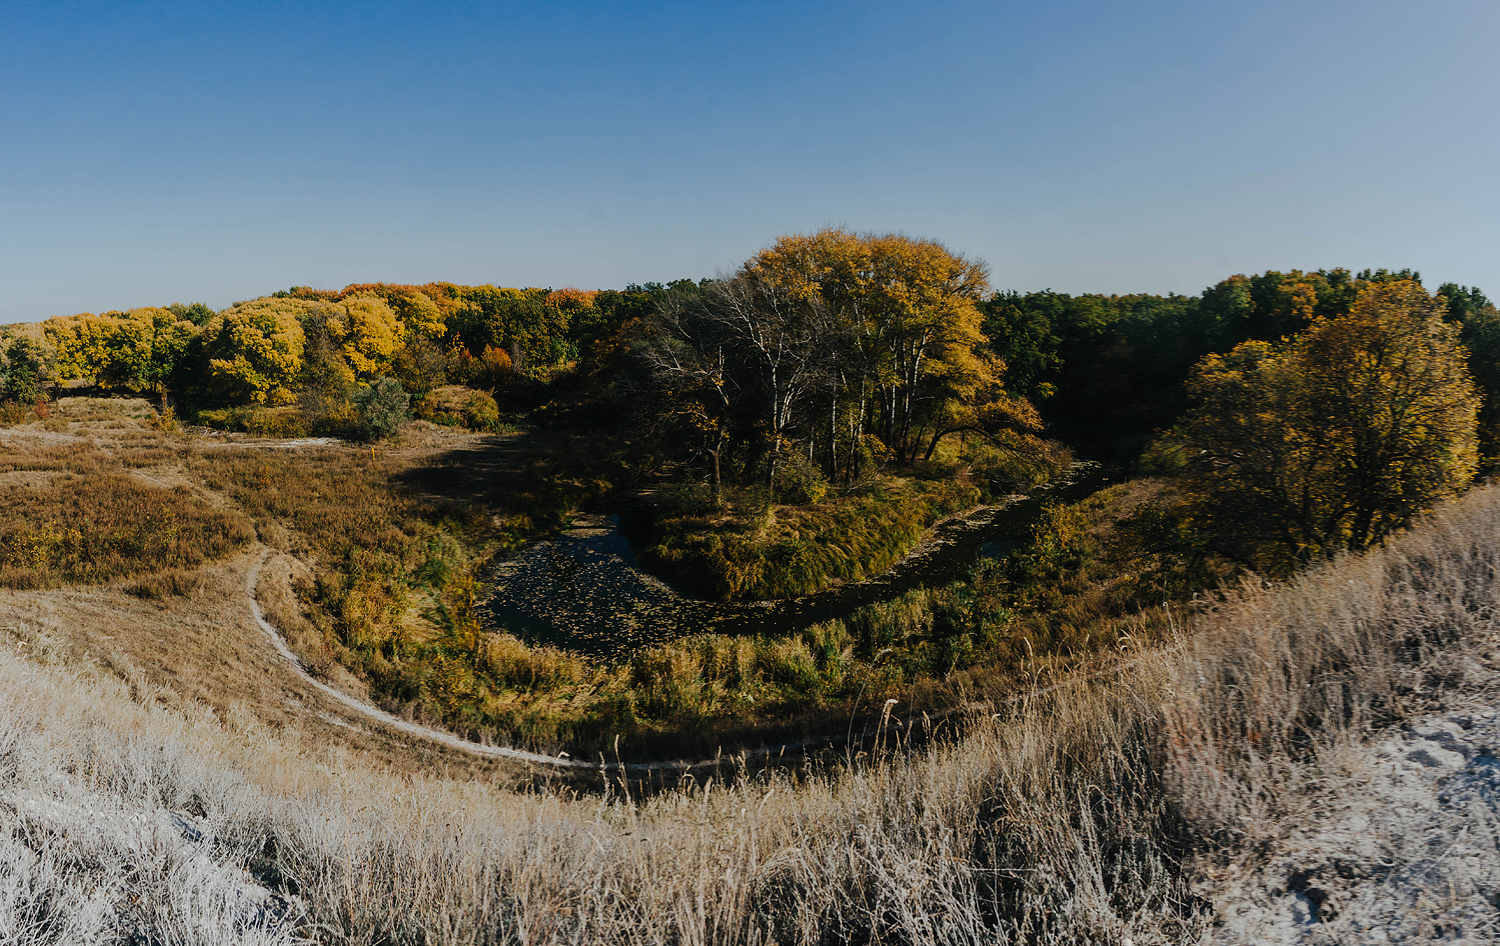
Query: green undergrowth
point(752, 550)
point(1100, 575)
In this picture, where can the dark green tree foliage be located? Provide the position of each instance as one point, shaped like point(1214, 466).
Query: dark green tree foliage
point(1479, 329)
point(604, 342)
point(1462, 302)
point(1022, 335)
point(1109, 370)
point(520, 322)
point(1101, 366)
point(382, 408)
point(24, 372)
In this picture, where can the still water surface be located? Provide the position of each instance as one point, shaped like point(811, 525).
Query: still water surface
point(585, 590)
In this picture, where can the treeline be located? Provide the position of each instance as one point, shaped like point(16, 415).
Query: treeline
point(326, 356)
point(1112, 369)
point(820, 358)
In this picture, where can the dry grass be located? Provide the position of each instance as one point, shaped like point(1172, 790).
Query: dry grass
point(99, 528)
point(100, 495)
point(1075, 814)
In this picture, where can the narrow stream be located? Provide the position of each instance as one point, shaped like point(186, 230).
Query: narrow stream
point(585, 590)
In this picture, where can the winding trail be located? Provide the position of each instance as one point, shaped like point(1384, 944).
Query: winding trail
point(496, 752)
point(396, 722)
point(679, 767)
point(521, 755)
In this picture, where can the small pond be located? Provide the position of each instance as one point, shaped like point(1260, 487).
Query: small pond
point(584, 589)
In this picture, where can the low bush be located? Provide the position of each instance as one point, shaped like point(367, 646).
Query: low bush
point(21, 412)
point(279, 422)
point(799, 481)
point(457, 406)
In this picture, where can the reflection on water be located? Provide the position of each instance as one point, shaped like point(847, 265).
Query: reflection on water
point(584, 591)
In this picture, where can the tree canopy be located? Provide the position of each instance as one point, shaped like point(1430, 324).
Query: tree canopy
point(851, 347)
point(254, 349)
point(1335, 437)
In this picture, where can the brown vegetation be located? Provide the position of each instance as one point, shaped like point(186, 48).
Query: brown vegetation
point(1082, 811)
point(104, 526)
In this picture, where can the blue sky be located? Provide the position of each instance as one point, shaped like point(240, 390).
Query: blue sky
point(159, 152)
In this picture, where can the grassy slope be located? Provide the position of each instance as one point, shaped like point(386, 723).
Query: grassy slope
point(788, 551)
point(372, 577)
point(1078, 814)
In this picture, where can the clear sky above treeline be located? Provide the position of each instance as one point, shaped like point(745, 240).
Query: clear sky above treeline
point(160, 152)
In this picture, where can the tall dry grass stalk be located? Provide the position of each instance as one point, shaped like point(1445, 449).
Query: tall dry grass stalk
point(1074, 814)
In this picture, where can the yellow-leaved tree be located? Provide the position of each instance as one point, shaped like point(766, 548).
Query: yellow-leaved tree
point(1334, 438)
point(254, 349)
point(145, 349)
point(81, 343)
point(862, 347)
point(903, 318)
point(366, 330)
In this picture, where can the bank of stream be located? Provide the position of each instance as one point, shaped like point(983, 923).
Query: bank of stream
point(584, 589)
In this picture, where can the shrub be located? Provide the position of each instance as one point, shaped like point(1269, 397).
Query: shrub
point(381, 407)
point(799, 481)
point(458, 406)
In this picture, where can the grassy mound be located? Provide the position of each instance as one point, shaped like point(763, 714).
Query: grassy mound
point(754, 551)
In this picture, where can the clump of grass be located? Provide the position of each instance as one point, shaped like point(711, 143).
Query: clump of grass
point(176, 582)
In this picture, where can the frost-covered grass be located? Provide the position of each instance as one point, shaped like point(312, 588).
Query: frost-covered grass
point(119, 835)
